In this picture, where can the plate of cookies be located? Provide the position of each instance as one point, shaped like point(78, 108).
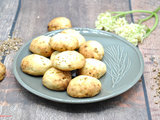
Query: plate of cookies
point(78, 65)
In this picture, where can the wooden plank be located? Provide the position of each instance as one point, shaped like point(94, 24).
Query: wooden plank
point(32, 21)
point(8, 10)
point(126, 106)
point(151, 53)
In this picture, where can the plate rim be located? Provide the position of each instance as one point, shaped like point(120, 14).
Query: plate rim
point(80, 101)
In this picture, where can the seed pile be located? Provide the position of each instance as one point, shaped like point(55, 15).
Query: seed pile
point(11, 43)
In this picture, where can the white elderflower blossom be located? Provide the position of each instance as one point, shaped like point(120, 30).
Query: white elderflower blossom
point(105, 22)
point(134, 33)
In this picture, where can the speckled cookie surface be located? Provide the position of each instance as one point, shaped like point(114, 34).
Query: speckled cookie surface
point(54, 54)
point(84, 86)
point(76, 34)
point(2, 71)
point(35, 64)
point(59, 23)
point(55, 79)
point(40, 46)
point(63, 42)
point(68, 61)
point(92, 49)
point(93, 67)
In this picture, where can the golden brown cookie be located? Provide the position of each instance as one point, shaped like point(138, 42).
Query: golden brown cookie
point(70, 31)
point(2, 71)
point(55, 79)
point(92, 49)
point(93, 67)
point(68, 61)
point(84, 86)
point(35, 64)
point(54, 54)
point(76, 34)
point(40, 46)
point(59, 23)
point(63, 42)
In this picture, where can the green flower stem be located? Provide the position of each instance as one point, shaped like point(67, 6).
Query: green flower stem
point(145, 19)
point(155, 25)
point(129, 12)
point(141, 30)
point(154, 13)
point(157, 10)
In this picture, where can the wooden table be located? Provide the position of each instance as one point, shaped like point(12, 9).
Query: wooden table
point(29, 18)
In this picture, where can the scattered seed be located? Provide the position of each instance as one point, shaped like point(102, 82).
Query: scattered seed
point(11, 43)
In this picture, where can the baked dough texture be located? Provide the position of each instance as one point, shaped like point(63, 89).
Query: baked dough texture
point(40, 46)
point(68, 61)
point(63, 42)
point(92, 49)
point(93, 67)
point(35, 64)
point(59, 23)
point(54, 54)
point(75, 34)
point(2, 71)
point(55, 79)
point(84, 86)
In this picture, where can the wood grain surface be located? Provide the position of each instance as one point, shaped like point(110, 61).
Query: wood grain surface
point(8, 10)
point(33, 18)
point(150, 49)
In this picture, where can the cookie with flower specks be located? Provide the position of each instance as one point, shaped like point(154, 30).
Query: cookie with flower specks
point(68, 61)
point(35, 64)
point(84, 86)
point(93, 67)
point(59, 23)
point(63, 42)
point(40, 46)
point(75, 34)
point(55, 79)
point(92, 49)
point(2, 71)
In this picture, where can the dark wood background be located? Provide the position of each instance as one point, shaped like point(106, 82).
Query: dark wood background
point(32, 21)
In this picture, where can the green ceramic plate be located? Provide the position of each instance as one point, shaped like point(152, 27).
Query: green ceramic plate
point(124, 62)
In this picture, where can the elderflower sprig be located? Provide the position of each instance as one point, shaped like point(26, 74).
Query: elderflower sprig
point(116, 22)
point(105, 22)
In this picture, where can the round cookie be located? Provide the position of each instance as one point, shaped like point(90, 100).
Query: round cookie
point(63, 42)
point(55, 79)
point(92, 49)
point(68, 61)
point(76, 34)
point(40, 46)
point(59, 23)
point(70, 31)
point(84, 86)
point(54, 54)
point(35, 64)
point(93, 67)
point(2, 71)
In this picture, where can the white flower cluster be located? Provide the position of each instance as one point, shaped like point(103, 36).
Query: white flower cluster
point(132, 32)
